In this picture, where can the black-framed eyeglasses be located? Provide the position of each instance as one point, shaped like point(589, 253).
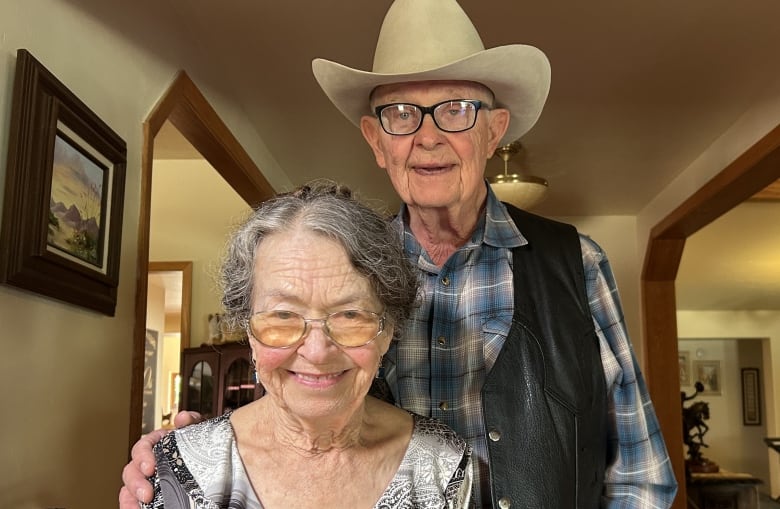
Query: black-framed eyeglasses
point(282, 329)
point(452, 116)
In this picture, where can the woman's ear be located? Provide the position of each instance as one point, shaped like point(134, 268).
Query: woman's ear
point(369, 126)
point(388, 333)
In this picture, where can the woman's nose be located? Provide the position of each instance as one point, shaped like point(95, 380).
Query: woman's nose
point(316, 343)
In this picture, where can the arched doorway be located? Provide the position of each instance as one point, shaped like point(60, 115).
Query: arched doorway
point(189, 111)
point(758, 167)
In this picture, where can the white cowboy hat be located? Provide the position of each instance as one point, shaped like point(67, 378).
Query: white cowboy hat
point(424, 40)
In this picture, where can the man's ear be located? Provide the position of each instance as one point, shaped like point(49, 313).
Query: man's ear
point(497, 126)
point(369, 126)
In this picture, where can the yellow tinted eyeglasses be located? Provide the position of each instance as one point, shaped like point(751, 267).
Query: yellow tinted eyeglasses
point(282, 329)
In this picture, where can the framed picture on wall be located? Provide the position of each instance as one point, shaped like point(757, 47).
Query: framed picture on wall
point(751, 400)
point(684, 357)
point(64, 194)
point(709, 374)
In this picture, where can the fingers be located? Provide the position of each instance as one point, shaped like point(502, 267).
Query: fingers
point(126, 500)
point(185, 418)
point(136, 487)
point(142, 454)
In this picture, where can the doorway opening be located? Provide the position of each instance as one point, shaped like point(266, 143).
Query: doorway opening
point(751, 172)
point(168, 311)
point(184, 106)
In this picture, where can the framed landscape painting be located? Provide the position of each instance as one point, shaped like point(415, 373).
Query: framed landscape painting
point(62, 214)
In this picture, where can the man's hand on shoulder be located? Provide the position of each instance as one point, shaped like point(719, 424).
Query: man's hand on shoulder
point(135, 475)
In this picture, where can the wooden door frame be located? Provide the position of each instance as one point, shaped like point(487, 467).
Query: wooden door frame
point(187, 109)
point(751, 172)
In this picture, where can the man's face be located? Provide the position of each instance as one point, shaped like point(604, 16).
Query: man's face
point(432, 168)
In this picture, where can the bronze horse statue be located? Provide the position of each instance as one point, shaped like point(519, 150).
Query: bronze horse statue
point(694, 429)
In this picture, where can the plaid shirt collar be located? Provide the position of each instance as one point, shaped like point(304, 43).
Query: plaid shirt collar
point(495, 228)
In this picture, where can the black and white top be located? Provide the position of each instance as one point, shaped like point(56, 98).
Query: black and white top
point(198, 467)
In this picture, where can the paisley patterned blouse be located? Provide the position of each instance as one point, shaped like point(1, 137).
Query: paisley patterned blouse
point(198, 467)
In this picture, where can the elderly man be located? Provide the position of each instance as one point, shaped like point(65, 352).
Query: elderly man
point(519, 343)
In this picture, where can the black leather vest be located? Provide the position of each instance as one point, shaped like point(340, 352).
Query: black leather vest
point(544, 401)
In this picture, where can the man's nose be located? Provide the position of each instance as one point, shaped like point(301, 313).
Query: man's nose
point(429, 133)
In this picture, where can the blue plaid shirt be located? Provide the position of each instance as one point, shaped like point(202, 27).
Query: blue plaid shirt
point(453, 339)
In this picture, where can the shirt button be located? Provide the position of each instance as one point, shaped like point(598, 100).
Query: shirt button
point(494, 435)
point(441, 340)
point(444, 405)
point(445, 281)
point(504, 503)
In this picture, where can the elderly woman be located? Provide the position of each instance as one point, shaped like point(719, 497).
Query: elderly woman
point(321, 286)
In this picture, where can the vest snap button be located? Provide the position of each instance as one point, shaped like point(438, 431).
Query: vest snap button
point(494, 435)
point(504, 503)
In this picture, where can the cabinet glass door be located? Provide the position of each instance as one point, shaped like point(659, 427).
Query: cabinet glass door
point(239, 385)
point(200, 392)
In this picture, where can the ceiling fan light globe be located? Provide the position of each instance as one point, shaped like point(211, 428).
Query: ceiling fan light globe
point(520, 190)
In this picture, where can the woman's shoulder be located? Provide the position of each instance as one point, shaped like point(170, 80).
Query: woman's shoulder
point(205, 434)
point(436, 470)
point(202, 461)
point(200, 446)
point(432, 433)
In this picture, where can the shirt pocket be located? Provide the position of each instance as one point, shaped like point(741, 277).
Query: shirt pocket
point(495, 329)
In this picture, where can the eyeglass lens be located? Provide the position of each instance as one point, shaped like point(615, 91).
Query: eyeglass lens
point(348, 328)
point(450, 116)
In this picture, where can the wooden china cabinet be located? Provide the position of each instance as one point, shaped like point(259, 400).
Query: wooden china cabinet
point(217, 378)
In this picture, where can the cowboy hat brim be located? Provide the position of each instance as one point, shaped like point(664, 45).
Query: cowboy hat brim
point(517, 74)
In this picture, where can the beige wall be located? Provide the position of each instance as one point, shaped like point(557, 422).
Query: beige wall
point(65, 371)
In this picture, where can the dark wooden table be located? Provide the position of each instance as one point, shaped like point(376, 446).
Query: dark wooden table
point(723, 490)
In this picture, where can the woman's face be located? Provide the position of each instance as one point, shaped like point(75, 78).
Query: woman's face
point(311, 275)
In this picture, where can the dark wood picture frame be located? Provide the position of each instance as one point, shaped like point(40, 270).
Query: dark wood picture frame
point(751, 397)
point(59, 148)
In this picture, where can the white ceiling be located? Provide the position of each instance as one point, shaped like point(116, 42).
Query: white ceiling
point(639, 90)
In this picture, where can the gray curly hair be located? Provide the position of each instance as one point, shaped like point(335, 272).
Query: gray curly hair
point(328, 209)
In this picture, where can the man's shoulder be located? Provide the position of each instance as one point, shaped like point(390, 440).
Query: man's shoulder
point(536, 229)
point(526, 220)
point(524, 216)
point(592, 253)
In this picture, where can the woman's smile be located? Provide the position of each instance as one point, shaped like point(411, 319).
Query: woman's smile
point(318, 380)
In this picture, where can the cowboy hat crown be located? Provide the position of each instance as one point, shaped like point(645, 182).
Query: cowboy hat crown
point(423, 40)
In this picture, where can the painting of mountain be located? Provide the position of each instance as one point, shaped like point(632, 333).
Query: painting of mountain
point(77, 203)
